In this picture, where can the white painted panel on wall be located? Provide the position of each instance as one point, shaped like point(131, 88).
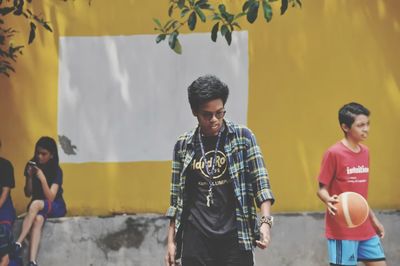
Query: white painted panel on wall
point(124, 98)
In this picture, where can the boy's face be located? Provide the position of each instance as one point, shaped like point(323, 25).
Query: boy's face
point(210, 116)
point(359, 129)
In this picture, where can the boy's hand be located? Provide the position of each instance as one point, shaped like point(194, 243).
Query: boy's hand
point(265, 236)
point(330, 203)
point(170, 256)
point(379, 229)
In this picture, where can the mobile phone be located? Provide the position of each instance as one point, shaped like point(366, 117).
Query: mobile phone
point(32, 163)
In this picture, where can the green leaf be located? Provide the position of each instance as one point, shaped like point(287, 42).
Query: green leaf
point(214, 32)
point(224, 30)
point(228, 17)
point(236, 25)
point(181, 3)
point(241, 14)
point(267, 11)
point(47, 26)
point(200, 2)
point(246, 6)
point(222, 8)
point(205, 6)
point(284, 6)
point(200, 13)
point(216, 17)
point(19, 5)
point(184, 12)
point(170, 10)
point(252, 12)
point(32, 33)
point(298, 2)
point(172, 39)
point(157, 22)
point(192, 20)
point(5, 10)
point(160, 38)
point(228, 37)
point(178, 47)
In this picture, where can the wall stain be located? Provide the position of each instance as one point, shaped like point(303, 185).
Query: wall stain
point(132, 236)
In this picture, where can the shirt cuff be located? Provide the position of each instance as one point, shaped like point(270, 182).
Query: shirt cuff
point(171, 212)
point(264, 195)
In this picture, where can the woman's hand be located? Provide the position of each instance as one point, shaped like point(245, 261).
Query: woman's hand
point(31, 171)
point(40, 174)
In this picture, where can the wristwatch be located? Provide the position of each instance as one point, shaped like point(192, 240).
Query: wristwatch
point(266, 220)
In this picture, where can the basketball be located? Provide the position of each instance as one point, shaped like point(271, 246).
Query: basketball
point(352, 209)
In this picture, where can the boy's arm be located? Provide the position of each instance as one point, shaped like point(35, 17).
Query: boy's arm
point(265, 236)
point(379, 229)
point(4, 194)
point(327, 199)
point(171, 245)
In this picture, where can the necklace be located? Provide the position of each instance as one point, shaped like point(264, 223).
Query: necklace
point(209, 197)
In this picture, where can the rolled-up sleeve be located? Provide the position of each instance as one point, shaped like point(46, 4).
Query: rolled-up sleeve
point(258, 172)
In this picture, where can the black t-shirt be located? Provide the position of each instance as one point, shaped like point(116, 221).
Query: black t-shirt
point(219, 218)
point(7, 211)
point(6, 174)
point(53, 176)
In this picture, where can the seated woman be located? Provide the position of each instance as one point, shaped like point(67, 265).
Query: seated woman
point(43, 184)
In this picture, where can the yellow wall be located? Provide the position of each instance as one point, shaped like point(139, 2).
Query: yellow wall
point(303, 66)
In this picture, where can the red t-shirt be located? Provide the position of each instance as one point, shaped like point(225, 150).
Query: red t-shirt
point(344, 170)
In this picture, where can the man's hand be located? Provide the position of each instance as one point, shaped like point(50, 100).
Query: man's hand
point(170, 256)
point(265, 236)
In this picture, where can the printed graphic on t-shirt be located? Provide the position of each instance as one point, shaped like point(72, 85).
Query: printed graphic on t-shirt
point(220, 168)
point(354, 172)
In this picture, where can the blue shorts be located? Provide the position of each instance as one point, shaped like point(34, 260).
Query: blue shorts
point(348, 252)
point(6, 239)
point(53, 209)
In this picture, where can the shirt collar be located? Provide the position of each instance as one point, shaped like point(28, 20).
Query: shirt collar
point(192, 133)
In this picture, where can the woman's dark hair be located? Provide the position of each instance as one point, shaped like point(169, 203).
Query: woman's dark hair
point(205, 89)
point(49, 144)
point(349, 111)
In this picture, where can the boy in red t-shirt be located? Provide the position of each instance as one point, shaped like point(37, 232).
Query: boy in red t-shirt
point(345, 167)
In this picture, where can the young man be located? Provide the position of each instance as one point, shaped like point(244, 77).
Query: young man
point(345, 167)
point(218, 174)
point(7, 211)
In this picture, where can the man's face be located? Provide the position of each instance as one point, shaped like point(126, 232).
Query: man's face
point(359, 129)
point(210, 116)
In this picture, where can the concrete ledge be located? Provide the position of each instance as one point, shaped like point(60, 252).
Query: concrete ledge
point(297, 240)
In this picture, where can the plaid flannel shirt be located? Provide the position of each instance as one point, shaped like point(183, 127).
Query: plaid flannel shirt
point(247, 170)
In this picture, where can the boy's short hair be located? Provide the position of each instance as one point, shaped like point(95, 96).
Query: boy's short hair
point(349, 111)
point(206, 88)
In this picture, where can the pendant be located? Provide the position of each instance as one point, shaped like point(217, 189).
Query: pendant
point(209, 197)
